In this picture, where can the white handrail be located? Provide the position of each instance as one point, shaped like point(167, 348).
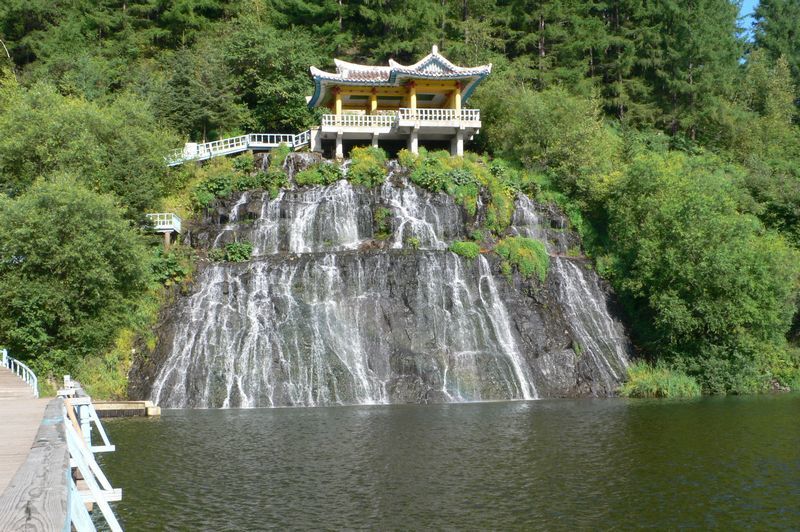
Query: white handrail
point(79, 416)
point(21, 370)
point(207, 150)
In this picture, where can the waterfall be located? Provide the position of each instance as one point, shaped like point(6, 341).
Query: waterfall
point(420, 217)
point(599, 337)
point(312, 220)
point(322, 315)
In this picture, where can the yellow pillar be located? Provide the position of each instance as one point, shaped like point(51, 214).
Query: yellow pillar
point(373, 102)
point(338, 94)
point(457, 97)
point(412, 95)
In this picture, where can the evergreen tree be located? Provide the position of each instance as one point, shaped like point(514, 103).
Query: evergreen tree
point(777, 30)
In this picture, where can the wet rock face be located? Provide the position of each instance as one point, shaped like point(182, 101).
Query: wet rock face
point(340, 306)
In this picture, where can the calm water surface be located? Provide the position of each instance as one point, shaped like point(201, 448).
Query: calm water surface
point(558, 464)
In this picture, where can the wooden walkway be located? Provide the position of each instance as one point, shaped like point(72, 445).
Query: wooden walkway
point(20, 417)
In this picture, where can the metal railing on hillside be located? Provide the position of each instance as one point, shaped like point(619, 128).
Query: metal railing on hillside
point(206, 150)
point(21, 370)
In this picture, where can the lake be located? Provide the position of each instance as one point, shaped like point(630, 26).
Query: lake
point(556, 464)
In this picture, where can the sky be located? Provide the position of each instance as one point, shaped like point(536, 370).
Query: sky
point(747, 9)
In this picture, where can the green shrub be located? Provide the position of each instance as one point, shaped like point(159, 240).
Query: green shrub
point(233, 252)
point(319, 174)
point(412, 242)
point(383, 222)
point(367, 166)
point(646, 381)
point(529, 256)
point(172, 266)
point(278, 156)
point(215, 186)
point(244, 163)
point(406, 159)
point(468, 250)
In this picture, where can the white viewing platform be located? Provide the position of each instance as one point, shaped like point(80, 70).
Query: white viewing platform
point(167, 223)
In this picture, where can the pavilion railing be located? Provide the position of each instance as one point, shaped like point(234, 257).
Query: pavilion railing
point(354, 120)
point(21, 370)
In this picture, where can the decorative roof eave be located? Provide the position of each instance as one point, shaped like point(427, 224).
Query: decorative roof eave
point(432, 66)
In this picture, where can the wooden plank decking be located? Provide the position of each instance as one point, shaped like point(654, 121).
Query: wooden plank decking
point(20, 417)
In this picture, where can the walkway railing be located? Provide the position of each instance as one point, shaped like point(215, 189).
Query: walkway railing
point(229, 146)
point(79, 419)
point(21, 370)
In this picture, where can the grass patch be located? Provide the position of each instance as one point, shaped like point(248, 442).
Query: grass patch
point(527, 255)
point(468, 250)
point(659, 381)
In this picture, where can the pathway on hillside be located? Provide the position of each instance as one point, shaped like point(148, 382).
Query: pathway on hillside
point(20, 417)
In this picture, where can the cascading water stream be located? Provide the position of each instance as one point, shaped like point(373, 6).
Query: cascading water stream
point(314, 319)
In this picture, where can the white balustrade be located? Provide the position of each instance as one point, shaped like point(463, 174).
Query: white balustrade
point(358, 120)
point(20, 370)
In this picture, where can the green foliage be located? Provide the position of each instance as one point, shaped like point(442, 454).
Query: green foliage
point(468, 250)
point(382, 218)
point(278, 156)
point(173, 266)
point(646, 381)
point(712, 289)
point(322, 174)
point(238, 251)
point(367, 166)
point(117, 148)
point(528, 256)
point(406, 159)
point(244, 163)
point(412, 242)
point(71, 270)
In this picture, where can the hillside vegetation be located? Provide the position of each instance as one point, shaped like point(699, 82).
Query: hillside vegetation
point(672, 143)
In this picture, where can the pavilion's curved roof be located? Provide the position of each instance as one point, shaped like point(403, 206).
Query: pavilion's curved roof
point(432, 66)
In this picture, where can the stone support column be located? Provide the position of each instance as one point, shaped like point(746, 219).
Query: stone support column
point(413, 142)
point(457, 144)
point(374, 140)
point(339, 146)
point(167, 240)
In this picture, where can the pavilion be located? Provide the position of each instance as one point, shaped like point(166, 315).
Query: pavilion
point(420, 104)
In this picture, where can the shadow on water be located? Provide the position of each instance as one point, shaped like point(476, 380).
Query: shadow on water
point(714, 462)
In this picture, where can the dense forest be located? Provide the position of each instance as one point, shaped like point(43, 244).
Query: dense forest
point(669, 135)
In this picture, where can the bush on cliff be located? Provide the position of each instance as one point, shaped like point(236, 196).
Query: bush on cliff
point(324, 173)
point(367, 166)
point(527, 255)
point(468, 250)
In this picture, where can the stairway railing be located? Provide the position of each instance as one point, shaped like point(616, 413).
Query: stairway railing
point(21, 370)
point(229, 146)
